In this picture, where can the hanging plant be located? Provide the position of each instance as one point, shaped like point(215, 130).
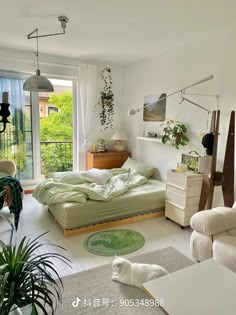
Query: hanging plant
point(106, 100)
point(175, 133)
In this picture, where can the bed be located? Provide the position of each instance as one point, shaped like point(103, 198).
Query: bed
point(144, 199)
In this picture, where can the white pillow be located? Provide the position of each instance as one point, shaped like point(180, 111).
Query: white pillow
point(97, 176)
point(142, 168)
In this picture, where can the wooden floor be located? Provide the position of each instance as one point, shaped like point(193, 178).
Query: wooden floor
point(35, 220)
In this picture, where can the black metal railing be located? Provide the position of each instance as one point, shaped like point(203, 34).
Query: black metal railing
point(56, 156)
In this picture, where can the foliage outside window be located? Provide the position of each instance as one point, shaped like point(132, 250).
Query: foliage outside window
point(56, 136)
point(175, 134)
point(106, 100)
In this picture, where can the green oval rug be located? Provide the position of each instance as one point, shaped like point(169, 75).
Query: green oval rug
point(114, 242)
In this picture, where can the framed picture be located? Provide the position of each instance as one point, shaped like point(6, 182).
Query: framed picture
point(154, 107)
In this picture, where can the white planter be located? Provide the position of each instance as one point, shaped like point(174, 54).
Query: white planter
point(26, 310)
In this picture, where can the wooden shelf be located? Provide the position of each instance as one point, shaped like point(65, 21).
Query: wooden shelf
point(150, 139)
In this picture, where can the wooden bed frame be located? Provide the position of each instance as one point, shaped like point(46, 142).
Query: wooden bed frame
point(109, 224)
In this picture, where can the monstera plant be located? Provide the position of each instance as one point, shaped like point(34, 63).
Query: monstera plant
point(29, 279)
point(175, 133)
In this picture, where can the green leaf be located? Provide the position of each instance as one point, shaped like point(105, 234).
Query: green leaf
point(34, 310)
point(28, 278)
point(175, 133)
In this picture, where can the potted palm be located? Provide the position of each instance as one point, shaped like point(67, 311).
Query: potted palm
point(175, 133)
point(29, 279)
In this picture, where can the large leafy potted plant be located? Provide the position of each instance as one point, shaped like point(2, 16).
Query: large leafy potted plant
point(175, 133)
point(28, 278)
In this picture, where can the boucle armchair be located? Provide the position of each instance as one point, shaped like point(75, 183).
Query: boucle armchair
point(8, 167)
point(214, 235)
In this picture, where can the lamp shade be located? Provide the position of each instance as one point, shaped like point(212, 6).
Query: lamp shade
point(119, 135)
point(38, 83)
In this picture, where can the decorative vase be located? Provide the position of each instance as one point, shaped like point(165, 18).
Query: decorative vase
point(101, 147)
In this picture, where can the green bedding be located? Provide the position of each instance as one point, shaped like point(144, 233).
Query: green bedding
point(145, 198)
point(53, 191)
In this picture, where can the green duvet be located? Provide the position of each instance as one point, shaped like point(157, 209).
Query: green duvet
point(52, 191)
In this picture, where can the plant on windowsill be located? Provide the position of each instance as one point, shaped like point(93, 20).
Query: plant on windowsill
point(106, 100)
point(175, 133)
point(29, 280)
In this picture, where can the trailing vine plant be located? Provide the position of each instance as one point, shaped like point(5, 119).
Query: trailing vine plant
point(106, 100)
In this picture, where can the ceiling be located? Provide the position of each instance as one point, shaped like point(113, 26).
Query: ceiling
point(119, 31)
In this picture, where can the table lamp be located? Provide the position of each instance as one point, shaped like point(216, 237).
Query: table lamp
point(119, 137)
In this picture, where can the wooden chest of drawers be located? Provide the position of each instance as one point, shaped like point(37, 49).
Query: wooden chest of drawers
point(106, 160)
point(182, 196)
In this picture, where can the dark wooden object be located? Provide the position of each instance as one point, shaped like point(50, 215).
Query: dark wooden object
point(211, 177)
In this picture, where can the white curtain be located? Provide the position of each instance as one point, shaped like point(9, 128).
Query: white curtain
point(87, 95)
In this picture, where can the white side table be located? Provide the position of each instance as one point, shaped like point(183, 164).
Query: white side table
point(182, 196)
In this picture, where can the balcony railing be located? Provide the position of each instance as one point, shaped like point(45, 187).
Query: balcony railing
point(56, 156)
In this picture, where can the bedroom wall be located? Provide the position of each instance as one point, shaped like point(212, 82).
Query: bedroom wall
point(67, 68)
point(174, 70)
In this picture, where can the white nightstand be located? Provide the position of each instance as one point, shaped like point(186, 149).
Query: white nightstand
point(182, 196)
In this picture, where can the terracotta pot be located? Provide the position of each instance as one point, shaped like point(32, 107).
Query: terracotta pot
point(178, 136)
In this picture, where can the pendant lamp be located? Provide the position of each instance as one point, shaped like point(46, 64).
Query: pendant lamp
point(38, 83)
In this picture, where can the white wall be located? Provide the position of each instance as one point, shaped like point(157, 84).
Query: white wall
point(170, 72)
point(67, 68)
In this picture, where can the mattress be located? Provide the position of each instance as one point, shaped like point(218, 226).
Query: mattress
point(142, 199)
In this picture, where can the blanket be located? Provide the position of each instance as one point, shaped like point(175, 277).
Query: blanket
point(16, 190)
point(52, 190)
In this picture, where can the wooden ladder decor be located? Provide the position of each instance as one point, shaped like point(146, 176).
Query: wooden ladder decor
point(211, 177)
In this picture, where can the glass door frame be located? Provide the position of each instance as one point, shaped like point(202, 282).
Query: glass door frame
point(35, 126)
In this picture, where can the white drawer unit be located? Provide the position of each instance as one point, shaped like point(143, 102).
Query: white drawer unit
point(182, 196)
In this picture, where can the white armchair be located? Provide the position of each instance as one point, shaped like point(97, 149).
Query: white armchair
point(214, 235)
point(8, 167)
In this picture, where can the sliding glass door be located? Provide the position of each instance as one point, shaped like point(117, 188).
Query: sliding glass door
point(16, 142)
point(39, 137)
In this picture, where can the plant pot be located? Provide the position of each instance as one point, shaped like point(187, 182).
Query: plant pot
point(26, 310)
point(178, 136)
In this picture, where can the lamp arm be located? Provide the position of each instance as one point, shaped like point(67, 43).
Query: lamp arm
point(46, 35)
point(62, 19)
point(132, 112)
point(185, 99)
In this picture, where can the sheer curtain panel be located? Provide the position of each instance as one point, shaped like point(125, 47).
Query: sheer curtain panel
point(87, 97)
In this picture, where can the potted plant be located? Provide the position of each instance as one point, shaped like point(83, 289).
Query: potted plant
point(175, 133)
point(106, 100)
point(28, 278)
